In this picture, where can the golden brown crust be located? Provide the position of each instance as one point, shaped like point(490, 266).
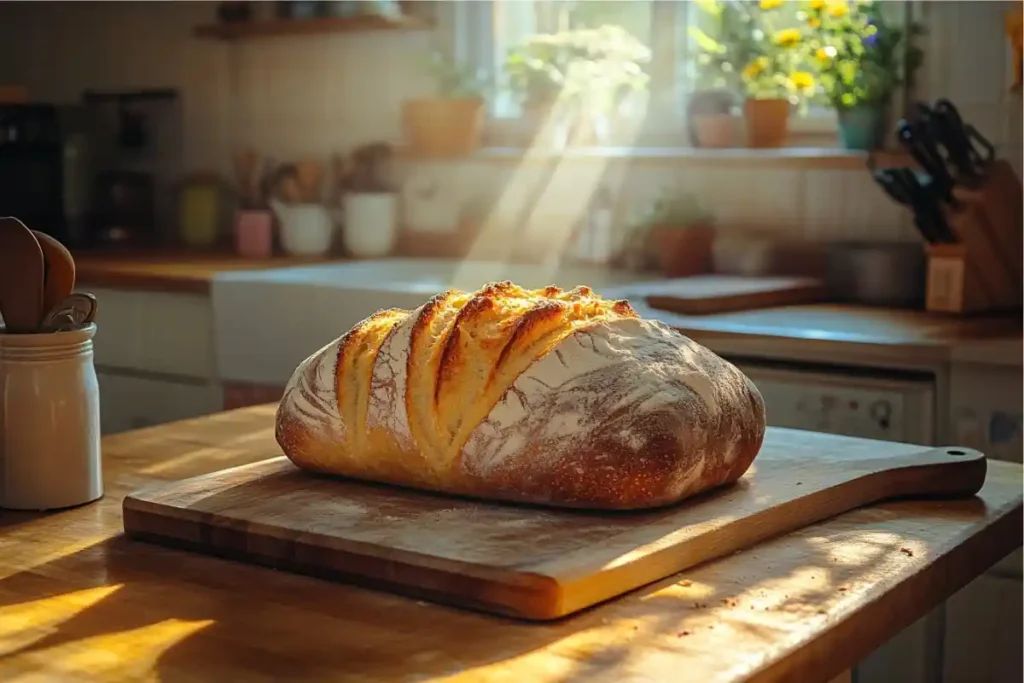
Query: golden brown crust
point(543, 396)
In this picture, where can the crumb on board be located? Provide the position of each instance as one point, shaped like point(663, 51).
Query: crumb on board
point(907, 551)
point(682, 633)
point(821, 611)
point(799, 483)
point(686, 583)
point(843, 589)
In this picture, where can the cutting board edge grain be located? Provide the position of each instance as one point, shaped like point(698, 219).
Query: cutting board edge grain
point(713, 294)
point(511, 591)
point(961, 478)
point(377, 573)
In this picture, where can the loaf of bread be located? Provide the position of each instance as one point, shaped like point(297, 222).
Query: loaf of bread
point(552, 397)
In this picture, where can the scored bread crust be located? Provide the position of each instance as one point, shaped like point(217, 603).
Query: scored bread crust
point(540, 396)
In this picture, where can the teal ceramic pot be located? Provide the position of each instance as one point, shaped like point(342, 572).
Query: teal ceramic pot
point(862, 127)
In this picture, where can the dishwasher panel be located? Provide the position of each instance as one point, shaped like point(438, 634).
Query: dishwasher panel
point(866, 406)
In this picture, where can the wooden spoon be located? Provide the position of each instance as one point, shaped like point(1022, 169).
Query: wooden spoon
point(59, 271)
point(309, 174)
point(21, 277)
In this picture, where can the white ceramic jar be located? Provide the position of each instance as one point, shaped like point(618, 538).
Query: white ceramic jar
point(306, 229)
point(371, 224)
point(49, 420)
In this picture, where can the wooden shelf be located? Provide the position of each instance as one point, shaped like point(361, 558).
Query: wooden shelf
point(785, 157)
point(299, 27)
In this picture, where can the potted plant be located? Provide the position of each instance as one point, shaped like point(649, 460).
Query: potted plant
point(679, 233)
point(862, 60)
point(711, 110)
point(711, 118)
point(578, 82)
point(448, 123)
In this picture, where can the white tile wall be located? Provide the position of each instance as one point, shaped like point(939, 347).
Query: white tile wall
point(315, 95)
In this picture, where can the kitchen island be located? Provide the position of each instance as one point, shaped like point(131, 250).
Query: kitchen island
point(80, 602)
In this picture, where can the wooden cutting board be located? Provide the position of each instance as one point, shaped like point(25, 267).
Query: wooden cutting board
point(523, 561)
point(708, 294)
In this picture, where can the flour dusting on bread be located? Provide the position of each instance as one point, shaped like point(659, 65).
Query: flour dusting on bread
point(545, 396)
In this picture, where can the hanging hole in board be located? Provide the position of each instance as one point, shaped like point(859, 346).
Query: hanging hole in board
point(956, 452)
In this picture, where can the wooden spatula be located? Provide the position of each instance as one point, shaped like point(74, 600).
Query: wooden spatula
point(58, 274)
point(21, 277)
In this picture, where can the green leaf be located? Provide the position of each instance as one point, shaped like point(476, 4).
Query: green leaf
point(706, 42)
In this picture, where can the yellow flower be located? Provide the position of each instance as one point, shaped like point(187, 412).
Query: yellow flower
point(821, 54)
point(770, 4)
point(754, 69)
point(816, 4)
point(838, 9)
point(814, 22)
point(787, 37)
point(801, 80)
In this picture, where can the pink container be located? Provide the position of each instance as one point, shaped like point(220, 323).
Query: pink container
point(254, 234)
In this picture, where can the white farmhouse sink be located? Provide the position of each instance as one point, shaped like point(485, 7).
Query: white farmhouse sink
point(267, 321)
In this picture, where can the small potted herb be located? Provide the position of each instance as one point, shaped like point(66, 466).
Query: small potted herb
point(711, 117)
point(448, 123)
point(680, 234)
point(579, 82)
point(711, 110)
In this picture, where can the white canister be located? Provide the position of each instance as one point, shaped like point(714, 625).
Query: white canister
point(49, 420)
point(371, 228)
point(306, 229)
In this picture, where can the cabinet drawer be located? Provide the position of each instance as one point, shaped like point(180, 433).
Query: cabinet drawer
point(128, 402)
point(983, 632)
point(155, 332)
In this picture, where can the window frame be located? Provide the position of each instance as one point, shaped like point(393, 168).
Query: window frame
point(472, 39)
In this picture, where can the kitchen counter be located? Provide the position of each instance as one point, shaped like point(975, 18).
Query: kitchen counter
point(828, 330)
point(80, 602)
point(169, 271)
point(832, 331)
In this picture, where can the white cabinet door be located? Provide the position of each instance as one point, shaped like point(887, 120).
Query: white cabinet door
point(986, 410)
point(128, 402)
point(984, 632)
point(160, 332)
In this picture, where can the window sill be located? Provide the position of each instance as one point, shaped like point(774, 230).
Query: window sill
point(741, 157)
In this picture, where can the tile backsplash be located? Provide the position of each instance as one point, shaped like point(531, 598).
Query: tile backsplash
point(317, 95)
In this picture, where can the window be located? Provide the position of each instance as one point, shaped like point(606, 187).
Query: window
point(485, 31)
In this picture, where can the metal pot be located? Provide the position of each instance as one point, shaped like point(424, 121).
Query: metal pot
point(890, 274)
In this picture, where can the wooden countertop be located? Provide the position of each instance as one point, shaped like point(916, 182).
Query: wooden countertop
point(171, 271)
point(79, 602)
point(829, 332)
point(822, 328)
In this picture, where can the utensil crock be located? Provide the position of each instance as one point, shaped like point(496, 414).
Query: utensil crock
point(49, 420)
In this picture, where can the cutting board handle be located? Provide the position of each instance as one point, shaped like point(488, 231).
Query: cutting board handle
point(948, 471)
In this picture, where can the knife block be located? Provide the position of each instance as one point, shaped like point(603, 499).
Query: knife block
point(981, 271)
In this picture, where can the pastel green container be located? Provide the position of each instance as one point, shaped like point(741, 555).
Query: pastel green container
point(862, 127)
point(199, 219)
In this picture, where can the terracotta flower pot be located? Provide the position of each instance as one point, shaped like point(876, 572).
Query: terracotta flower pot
point(716, 130)
point(767, 122)
point(443, 128)
point(683, 251)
